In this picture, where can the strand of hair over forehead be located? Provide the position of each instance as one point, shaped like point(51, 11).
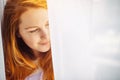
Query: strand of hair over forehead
point(41, 3)
point(29, 1)
point(33, 1)
point(26, 0)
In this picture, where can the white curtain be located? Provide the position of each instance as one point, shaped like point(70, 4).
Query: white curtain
point(85, 38)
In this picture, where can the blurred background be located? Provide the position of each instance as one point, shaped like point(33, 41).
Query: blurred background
point(2, 73)
point(85, 38)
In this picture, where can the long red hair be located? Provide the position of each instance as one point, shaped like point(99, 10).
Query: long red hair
point(18, 56)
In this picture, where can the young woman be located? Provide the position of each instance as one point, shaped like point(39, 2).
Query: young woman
point(26, 40)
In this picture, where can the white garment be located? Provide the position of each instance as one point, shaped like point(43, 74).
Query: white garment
point(37, 75)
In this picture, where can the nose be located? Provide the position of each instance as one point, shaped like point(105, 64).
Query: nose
point(44, 34)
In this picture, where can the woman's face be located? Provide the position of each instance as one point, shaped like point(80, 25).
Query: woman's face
point(34, 29)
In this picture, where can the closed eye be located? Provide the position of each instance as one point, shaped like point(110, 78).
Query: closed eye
point(47, 24)
point(36, 30)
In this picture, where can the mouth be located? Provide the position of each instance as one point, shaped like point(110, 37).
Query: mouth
point(44, 43)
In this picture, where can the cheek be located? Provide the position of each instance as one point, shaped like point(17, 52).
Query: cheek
point(48, 34)
point(31, 41)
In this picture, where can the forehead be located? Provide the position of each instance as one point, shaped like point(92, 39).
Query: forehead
point(33, 17)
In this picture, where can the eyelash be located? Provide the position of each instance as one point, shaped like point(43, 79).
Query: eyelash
point(47, 25)
point(34, 30)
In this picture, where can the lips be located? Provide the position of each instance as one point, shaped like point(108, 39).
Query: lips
point(44, 43)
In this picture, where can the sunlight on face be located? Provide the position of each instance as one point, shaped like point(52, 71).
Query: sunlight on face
point(34, 29)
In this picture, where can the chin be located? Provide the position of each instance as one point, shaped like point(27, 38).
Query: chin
point(45, 50)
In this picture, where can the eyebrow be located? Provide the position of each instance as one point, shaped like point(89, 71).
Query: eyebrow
point(35, 26)
point(31, 27)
